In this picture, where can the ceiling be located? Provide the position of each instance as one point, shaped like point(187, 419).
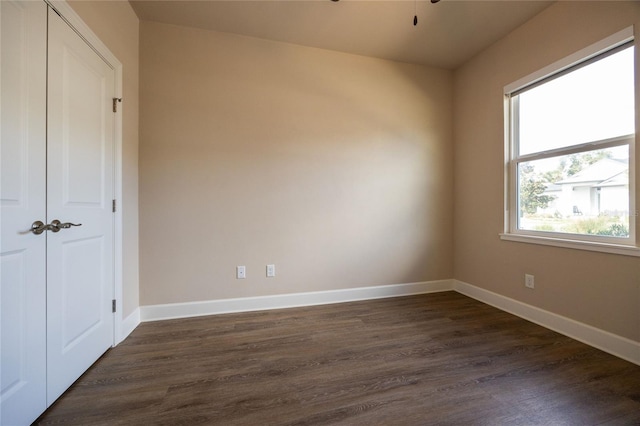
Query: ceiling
point(448, 33)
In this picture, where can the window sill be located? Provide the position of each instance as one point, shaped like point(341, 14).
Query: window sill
point(573, 244)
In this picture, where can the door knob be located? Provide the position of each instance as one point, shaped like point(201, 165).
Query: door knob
point(38, 227)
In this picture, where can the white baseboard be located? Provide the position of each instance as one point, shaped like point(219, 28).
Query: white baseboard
point(260, 303)
point(608, 342)
point(128, 325)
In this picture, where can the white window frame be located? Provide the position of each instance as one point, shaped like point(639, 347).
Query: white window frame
point(626, 246)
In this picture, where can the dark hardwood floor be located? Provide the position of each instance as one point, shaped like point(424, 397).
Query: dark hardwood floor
point(439, 358)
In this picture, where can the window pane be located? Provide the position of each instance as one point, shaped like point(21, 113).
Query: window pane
point(585, 193)
point(594, 102)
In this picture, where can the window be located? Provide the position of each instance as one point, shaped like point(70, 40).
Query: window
point(571, 144)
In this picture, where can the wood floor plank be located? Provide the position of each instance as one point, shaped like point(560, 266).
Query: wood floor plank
point(430, 359)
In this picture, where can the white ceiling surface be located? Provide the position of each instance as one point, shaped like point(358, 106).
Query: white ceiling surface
point(447, 35)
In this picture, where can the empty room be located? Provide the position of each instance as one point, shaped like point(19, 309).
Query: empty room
point(315, 212)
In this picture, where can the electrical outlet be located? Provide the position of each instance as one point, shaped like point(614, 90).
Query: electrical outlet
point(271, 270)
point(241, 272)
point(529, 281)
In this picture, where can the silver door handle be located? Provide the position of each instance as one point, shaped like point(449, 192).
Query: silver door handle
point(38, 227)
point(56, 225)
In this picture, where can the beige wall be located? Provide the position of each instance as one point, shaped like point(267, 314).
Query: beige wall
point(602, 290)
point(117, 26)
point(334, 167)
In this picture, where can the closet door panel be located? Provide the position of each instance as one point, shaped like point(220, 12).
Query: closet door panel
point(80, 190)
point(22, 201)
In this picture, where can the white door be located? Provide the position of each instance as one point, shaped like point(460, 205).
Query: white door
point(22, 193)
point(79, 191)
point(56, 155)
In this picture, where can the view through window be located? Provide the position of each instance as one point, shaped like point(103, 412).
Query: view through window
point(571, 140)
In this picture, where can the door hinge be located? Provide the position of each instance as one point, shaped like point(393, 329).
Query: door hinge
point(113, 206)
point(115, 104)
point(113, 305)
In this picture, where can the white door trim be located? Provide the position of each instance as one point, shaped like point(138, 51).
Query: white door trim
point(83, 30)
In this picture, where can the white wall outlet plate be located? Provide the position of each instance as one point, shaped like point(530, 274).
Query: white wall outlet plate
point(271, 270)
point(529, 281)
point(241, 272)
